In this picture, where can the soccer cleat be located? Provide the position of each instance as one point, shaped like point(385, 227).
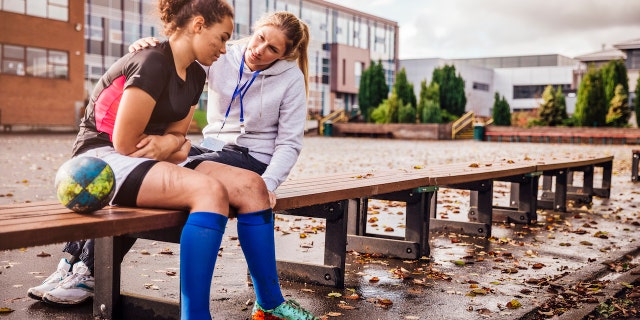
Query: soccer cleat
point(288, 310)
point(75, 289)
point(63, 271)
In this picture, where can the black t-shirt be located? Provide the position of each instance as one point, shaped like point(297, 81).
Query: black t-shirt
point(152, 70)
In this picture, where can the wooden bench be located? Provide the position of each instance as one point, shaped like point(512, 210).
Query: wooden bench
point(332, 197)
point(340, 199)
point(555, 195)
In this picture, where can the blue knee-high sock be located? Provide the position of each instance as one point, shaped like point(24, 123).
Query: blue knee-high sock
point(199, 245)
point(255, 232)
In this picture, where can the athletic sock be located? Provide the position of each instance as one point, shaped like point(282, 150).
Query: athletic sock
point(199, 245)
point(255, 232)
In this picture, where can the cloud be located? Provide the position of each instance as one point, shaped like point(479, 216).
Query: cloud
point(472, 28)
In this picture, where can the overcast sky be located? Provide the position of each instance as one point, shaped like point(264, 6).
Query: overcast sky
point(490, 28)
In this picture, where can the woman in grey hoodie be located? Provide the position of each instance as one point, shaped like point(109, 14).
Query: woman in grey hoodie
point(257, 103)
point(256, 113)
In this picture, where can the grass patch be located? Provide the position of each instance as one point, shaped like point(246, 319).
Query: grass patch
point(200, 117)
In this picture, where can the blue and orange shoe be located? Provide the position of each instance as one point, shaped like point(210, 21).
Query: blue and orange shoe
point(288, 310)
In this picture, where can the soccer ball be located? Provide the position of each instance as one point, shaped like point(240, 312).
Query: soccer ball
point(85, 184)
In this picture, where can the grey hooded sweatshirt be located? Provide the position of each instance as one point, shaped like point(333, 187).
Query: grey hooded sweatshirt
point(275, 111)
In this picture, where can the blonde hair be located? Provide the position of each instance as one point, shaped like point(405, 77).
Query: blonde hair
point(297, 33)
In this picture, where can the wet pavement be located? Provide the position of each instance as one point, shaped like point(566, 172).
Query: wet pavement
point(512, 275)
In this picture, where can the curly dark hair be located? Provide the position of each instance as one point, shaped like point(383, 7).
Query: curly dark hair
point(176, 13)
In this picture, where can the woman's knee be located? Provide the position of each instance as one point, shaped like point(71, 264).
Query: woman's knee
point(205, 191)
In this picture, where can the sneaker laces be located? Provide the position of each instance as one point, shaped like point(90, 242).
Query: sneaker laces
point(58, 275)
point(79, 275)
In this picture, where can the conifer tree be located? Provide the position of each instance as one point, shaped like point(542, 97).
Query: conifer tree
point(553, 110)
point(619, 112)
point(501, 111)
point(373, 89)
point(452, 96)
point(591, 106)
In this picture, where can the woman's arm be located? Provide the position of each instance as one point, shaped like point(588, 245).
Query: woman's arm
point(133, 116)
point(179, 130)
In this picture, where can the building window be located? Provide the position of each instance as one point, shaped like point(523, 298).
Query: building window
point(357, 68)
point(13, 60)
point(535, 91)
point(480, 86)
point(59, 64)
point(325, 71)
point(34, 62)
point(52, 9)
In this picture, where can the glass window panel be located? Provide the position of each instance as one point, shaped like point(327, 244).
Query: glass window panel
point(64, 3)
point(58, 13)
point(10, 66)
point(95, 33)
point(131, 32)
point(96, 71)
point(59, 62)
point(13, 52)
point(37, 8)
point(58, 57)
point(36, 62)
point(17, 6)
point(242, 16)
point(13, 60)
point(115, 36)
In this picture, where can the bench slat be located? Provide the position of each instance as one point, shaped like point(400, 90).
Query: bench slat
point(54, 223)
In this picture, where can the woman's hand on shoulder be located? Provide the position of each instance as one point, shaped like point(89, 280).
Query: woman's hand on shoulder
point(143, 43)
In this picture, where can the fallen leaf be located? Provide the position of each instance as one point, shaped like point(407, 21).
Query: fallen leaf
point(6, 310)
point(514, 304)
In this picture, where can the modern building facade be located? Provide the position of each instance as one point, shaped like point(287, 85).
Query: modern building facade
point(95, 33)
point(522, 79)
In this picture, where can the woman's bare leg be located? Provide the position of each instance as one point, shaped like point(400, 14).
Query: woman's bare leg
point(246, 189)
point(169, 186)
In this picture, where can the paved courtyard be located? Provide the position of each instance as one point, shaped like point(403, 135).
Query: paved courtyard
point(518, 273)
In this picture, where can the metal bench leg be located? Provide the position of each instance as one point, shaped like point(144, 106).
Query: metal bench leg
point(554, 199)
point(582, 193)
point(416, 240)
point(109, 252)
point(331, 273)
point(560, 199)
point(605, 190)
point(522, 201)
point(480, 213)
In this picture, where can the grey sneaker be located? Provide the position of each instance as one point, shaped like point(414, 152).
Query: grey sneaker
point(63, 271)
point(75, 289)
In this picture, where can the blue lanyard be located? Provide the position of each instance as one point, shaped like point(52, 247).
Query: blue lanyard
point(240, 91)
